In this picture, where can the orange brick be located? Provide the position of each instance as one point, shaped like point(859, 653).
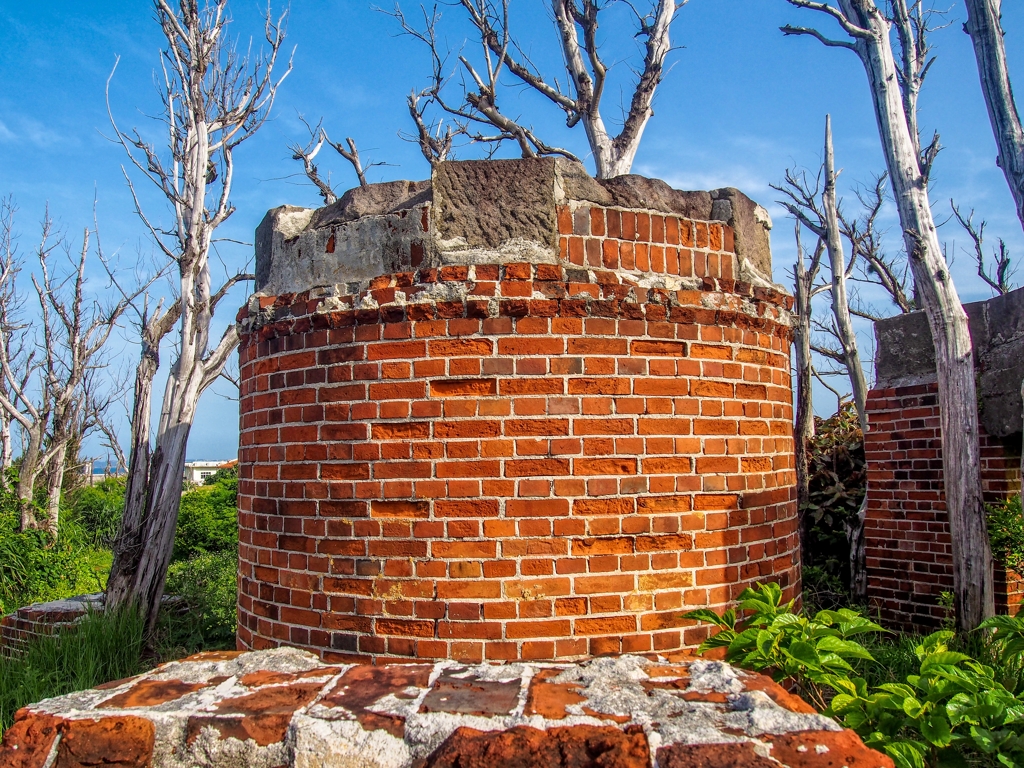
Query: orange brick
point(464, 388)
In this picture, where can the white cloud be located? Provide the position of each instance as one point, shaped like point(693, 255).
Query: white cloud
point(26, 130)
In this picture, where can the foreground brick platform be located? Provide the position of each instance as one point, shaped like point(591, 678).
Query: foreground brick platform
point(284, 707)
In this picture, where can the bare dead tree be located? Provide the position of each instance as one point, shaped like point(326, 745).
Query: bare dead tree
point(868, 33)
point(437, 140)
point(820, 214)
point(913, 21)
point(805, 277)
point(7, 300)
point(352, 155)
point(19, 367)
point(817, 209)
point(477, 109)
point(53, 392)
point(214, 98)
point(999, 279)
point(984, 27)
point(577, 24)
point(875, 265)
point(308, 153)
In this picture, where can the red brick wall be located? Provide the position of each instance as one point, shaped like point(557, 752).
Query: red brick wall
point(909, 553)
point(34, 621)
point(557, 462)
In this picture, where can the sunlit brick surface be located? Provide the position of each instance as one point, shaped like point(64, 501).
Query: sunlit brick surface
point(556, 462)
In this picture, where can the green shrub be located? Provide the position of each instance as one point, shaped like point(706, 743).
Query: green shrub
point(936, 707)
point(208, 517)
point(837, 482)
point(1006, 532)
point(207, 586)
point(773, 638)
point(34, 567)
point(101, 648)
point(953, 705)
point(97, 510)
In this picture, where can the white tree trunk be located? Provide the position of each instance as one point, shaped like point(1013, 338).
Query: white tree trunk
point(53, 491)
point(804, 427)
point(147, 540)
point(6, 450)
point(972, 556)
point(987, 35)
point(851, 355)
point(840, 300)
point(130, 540)
point(27, 474)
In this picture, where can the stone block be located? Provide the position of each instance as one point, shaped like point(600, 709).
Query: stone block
point(284, 708)
point(905, 355)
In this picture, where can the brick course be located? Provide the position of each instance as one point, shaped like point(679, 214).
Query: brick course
point(517, 461)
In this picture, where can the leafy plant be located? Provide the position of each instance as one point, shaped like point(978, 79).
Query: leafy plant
point(1006, 532)
point(772, 638)
point(205, 616)
point(938, 707)
point(208, 517)
point(954, 704)
point(34, 567)
point(837, 483)
point(97, 510)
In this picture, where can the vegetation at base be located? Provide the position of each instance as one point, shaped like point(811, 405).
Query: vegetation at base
point(1006, 532)
point(100, 648)
point(208, 517)
point(96, 511)
point(202, 577)
point(35, 568)
point(926, 701)
point(837, 482)
point(200, 613)
point(204, 615)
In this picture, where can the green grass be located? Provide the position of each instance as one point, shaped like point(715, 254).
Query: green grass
point(101, 648)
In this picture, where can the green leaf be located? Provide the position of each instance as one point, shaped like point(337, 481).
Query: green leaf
point(906, 754)
point(912, 707)
point(936, 729)
point(803, 653)
point(846, 649)
point(942, 658)
point(765, 642)
point(708, 616)
point(841, 702)
point(784, 620)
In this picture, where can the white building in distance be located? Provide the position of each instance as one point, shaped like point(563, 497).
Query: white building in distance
point(197, 471)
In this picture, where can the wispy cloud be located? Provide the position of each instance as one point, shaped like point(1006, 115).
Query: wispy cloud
point(22, 129)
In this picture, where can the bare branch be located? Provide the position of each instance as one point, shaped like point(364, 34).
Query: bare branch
point(999, 280)
point(577, 22)
point(789, 30)
point(307, 154)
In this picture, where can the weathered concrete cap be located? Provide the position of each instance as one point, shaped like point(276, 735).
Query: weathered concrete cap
point(476, 212)
point(905, 355)
point(285, 708)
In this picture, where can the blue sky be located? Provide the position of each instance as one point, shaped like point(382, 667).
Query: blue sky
point(740, 104)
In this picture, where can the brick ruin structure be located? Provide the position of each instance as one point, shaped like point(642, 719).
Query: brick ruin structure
point(511, 413)
point(909, 551)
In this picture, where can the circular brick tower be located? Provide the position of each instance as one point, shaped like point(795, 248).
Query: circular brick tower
point(511, 413)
